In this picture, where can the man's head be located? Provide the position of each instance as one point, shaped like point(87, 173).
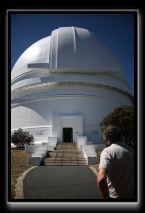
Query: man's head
point(111, 134)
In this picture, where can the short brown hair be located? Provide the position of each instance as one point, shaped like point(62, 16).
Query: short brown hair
point(112, 133)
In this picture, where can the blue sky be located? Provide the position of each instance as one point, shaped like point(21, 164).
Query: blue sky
point(115, 30)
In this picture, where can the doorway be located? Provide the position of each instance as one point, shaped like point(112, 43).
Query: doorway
point(67, 135)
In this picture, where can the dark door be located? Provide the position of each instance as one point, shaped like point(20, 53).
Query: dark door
point(67, 135)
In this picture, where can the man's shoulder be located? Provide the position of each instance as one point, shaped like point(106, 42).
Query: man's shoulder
point(109, 149)
point(106, 150)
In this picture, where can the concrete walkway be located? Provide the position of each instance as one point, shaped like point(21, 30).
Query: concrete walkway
point(60, 182)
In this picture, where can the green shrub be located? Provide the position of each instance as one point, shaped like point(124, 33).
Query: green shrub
point(122, 117)
point(21, 137)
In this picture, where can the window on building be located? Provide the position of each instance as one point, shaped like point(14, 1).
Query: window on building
point(40, 132)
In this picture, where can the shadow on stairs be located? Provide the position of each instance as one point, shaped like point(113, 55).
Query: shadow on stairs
point(66, 154)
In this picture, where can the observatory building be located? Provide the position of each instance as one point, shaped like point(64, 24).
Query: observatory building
point(64, 85)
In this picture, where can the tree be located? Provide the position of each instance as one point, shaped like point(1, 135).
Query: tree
point(21, 137)
point(122, 117)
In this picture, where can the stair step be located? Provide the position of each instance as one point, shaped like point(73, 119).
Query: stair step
point(65, 160)
point(66, 151)
point(47, 161)
point(70, 160)
point(65, 154)
point(53, 164)
point(67, 157)
point(64, 164)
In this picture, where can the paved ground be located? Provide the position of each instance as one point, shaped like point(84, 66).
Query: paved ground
point(61, 182)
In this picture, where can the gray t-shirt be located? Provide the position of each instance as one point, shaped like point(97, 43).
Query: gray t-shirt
point(118, 160)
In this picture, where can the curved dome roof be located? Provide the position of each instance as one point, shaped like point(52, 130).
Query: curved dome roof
point(68, 48)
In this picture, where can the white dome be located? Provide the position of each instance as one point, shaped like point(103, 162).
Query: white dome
point(36, 53)
point(68, 48)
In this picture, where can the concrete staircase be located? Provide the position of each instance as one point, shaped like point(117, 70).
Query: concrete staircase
point(65, 154)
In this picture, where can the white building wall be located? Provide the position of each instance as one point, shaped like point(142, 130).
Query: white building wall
point(67, 121)
point(41, 112)
point(40, 133)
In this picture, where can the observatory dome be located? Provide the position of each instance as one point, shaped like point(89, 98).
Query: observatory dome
point(70, 49)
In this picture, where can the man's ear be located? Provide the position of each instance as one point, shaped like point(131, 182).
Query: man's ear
point(109, 136)
point(107, 142)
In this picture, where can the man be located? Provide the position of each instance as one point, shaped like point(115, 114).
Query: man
point(115, 177)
